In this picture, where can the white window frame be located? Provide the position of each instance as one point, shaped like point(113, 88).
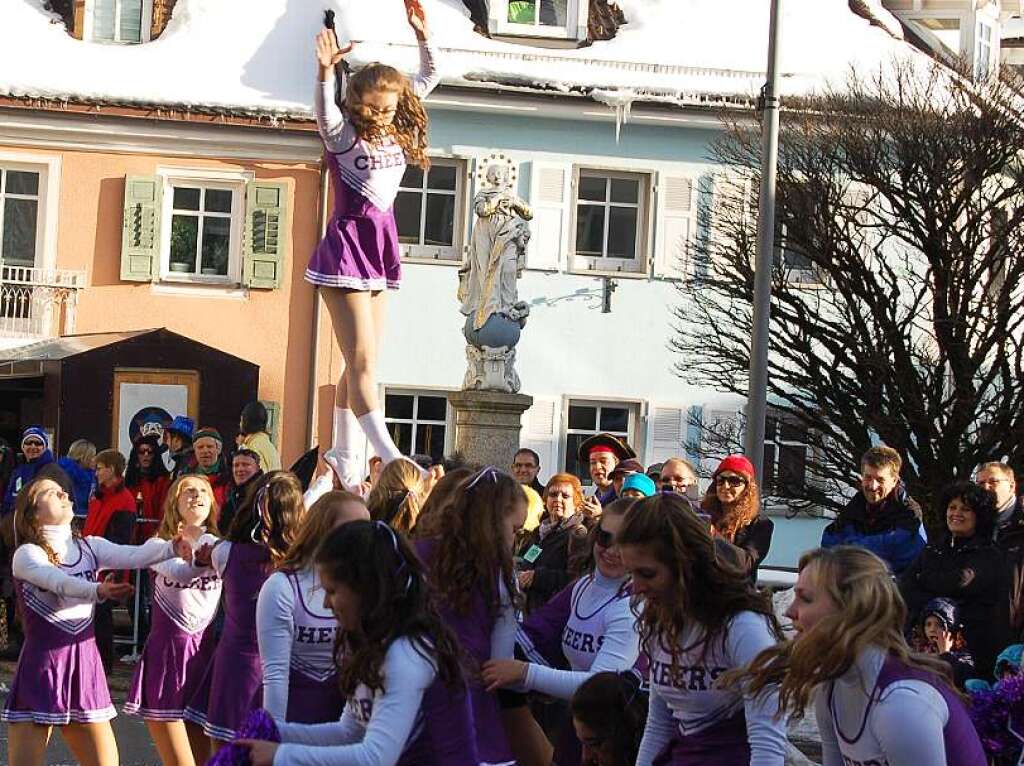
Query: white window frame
point(602, 265)
point(415, 421)
point(633, 407)
point(145, 33)
point(983, 70)
point(577, 14)
point(234, 181)
point(809, 278)
point(441, 254)
point(49, 170)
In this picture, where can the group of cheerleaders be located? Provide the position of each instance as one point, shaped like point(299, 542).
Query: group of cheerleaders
point(360, 647)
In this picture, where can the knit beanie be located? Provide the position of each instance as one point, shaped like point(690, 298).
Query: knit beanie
point(640, 482)
point(208, 433)
point(736, 464)
point(38, 433)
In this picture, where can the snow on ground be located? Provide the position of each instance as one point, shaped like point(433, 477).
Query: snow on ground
point(257, 56)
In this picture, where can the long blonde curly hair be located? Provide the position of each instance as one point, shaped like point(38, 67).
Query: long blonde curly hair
point(410, 123)
point(870, 612)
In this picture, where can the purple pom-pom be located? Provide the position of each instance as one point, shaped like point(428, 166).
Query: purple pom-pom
point(991, 711)
point(258, 725)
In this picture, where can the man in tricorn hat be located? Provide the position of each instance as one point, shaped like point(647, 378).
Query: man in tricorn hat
point(601, 453)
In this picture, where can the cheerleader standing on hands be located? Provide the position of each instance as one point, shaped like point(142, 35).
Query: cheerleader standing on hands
point(179, 647)
point(399, 666)
point(59, 680)
point(297, 632)
point(380, 126)
point(875, 700)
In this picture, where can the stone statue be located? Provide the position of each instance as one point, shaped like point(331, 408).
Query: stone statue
point(487, 292)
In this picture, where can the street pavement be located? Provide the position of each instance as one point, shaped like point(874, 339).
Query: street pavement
point(133, 743)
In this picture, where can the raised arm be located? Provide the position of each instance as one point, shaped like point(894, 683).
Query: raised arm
point(113, 556)
point(428, 77)
point(31, 565)
point(274, 609)
point(330, 120)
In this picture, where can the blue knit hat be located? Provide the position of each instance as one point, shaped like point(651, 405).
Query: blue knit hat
point(182, 425)
point(641, 482)
point(945, 610)
point(39, 433)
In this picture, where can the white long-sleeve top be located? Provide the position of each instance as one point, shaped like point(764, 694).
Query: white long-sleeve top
point(186, 593)
point(503, 635)
point(373, 169)
point(295, 632)
point(376, 728)
point(903, 728)
point(685, 701)
point(600, 634)
point(65, 595)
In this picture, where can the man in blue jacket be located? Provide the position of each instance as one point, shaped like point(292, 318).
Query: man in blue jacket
point(882, 517)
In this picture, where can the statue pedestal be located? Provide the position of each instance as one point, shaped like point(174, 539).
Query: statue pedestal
point(487, 425)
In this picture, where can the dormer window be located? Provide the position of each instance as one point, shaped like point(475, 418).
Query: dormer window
point(118, 21)
point(558, 20)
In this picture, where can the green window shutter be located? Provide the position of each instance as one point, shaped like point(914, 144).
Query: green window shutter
point(273, 421)
point(266, 207)
point(140, 234)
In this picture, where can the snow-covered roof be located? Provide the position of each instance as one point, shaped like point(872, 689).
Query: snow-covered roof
point(256, 57)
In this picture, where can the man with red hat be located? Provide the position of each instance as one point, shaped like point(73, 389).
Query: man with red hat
point(601, 453)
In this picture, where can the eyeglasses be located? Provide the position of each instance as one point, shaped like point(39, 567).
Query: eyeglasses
point(989, 482)
point(32, 443)
point(732, 481)
point(145, 451)
point(604, 538)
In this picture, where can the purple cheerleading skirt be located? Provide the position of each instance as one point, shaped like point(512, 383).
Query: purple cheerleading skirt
point(722, 744)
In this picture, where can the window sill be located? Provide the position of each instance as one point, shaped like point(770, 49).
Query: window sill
point(612, 273)
point(196, 289)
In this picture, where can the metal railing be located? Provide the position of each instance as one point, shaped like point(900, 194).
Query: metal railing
point(38, 302)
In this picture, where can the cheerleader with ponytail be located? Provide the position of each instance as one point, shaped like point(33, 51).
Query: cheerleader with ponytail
point(258, 540)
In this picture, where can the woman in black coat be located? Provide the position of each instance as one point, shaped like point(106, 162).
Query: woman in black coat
point(556, 552)
point(733, 503)
point(966, 567)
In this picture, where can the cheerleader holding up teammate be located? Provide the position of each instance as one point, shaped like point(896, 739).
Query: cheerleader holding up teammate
point(179, 647)
point(379, 127)
point(297, 631)
point(59, 680)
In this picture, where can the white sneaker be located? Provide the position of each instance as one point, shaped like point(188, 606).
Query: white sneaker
point(343, 466)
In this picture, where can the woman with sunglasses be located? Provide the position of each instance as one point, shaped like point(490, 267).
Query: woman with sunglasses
point(398, 665)
point(148, 479)
point(471, 568)
point(733, 501)
point(257, 542)
point(35, 448)
point(588, 627)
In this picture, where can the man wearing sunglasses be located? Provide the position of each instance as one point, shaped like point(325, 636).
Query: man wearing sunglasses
point(35, 449)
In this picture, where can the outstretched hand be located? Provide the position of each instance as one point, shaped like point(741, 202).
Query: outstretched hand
point(498, 673)
point(328, 53)
point(417, 18)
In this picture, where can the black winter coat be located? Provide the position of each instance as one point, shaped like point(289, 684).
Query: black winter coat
point(940, 571)
point(563, 558)
point(1010, 539)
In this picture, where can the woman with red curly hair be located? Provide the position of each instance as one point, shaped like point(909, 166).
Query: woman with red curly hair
point(556, 552)
point(733, 501)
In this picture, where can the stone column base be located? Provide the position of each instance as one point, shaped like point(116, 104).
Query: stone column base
point(487, 425)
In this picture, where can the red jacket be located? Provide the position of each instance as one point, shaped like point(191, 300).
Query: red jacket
point(111, 514)
point(151, 492)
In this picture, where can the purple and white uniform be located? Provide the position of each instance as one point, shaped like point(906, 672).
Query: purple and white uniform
point(297, 637)
point(230, 686)
point(179, 647)
point(360, 248)
point(907, 719)
point(589, 624)
point(690, 721)
point(415, 721)
point(483, 637)
point(59, 678)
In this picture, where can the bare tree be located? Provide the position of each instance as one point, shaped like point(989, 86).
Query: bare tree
point(897, 288)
